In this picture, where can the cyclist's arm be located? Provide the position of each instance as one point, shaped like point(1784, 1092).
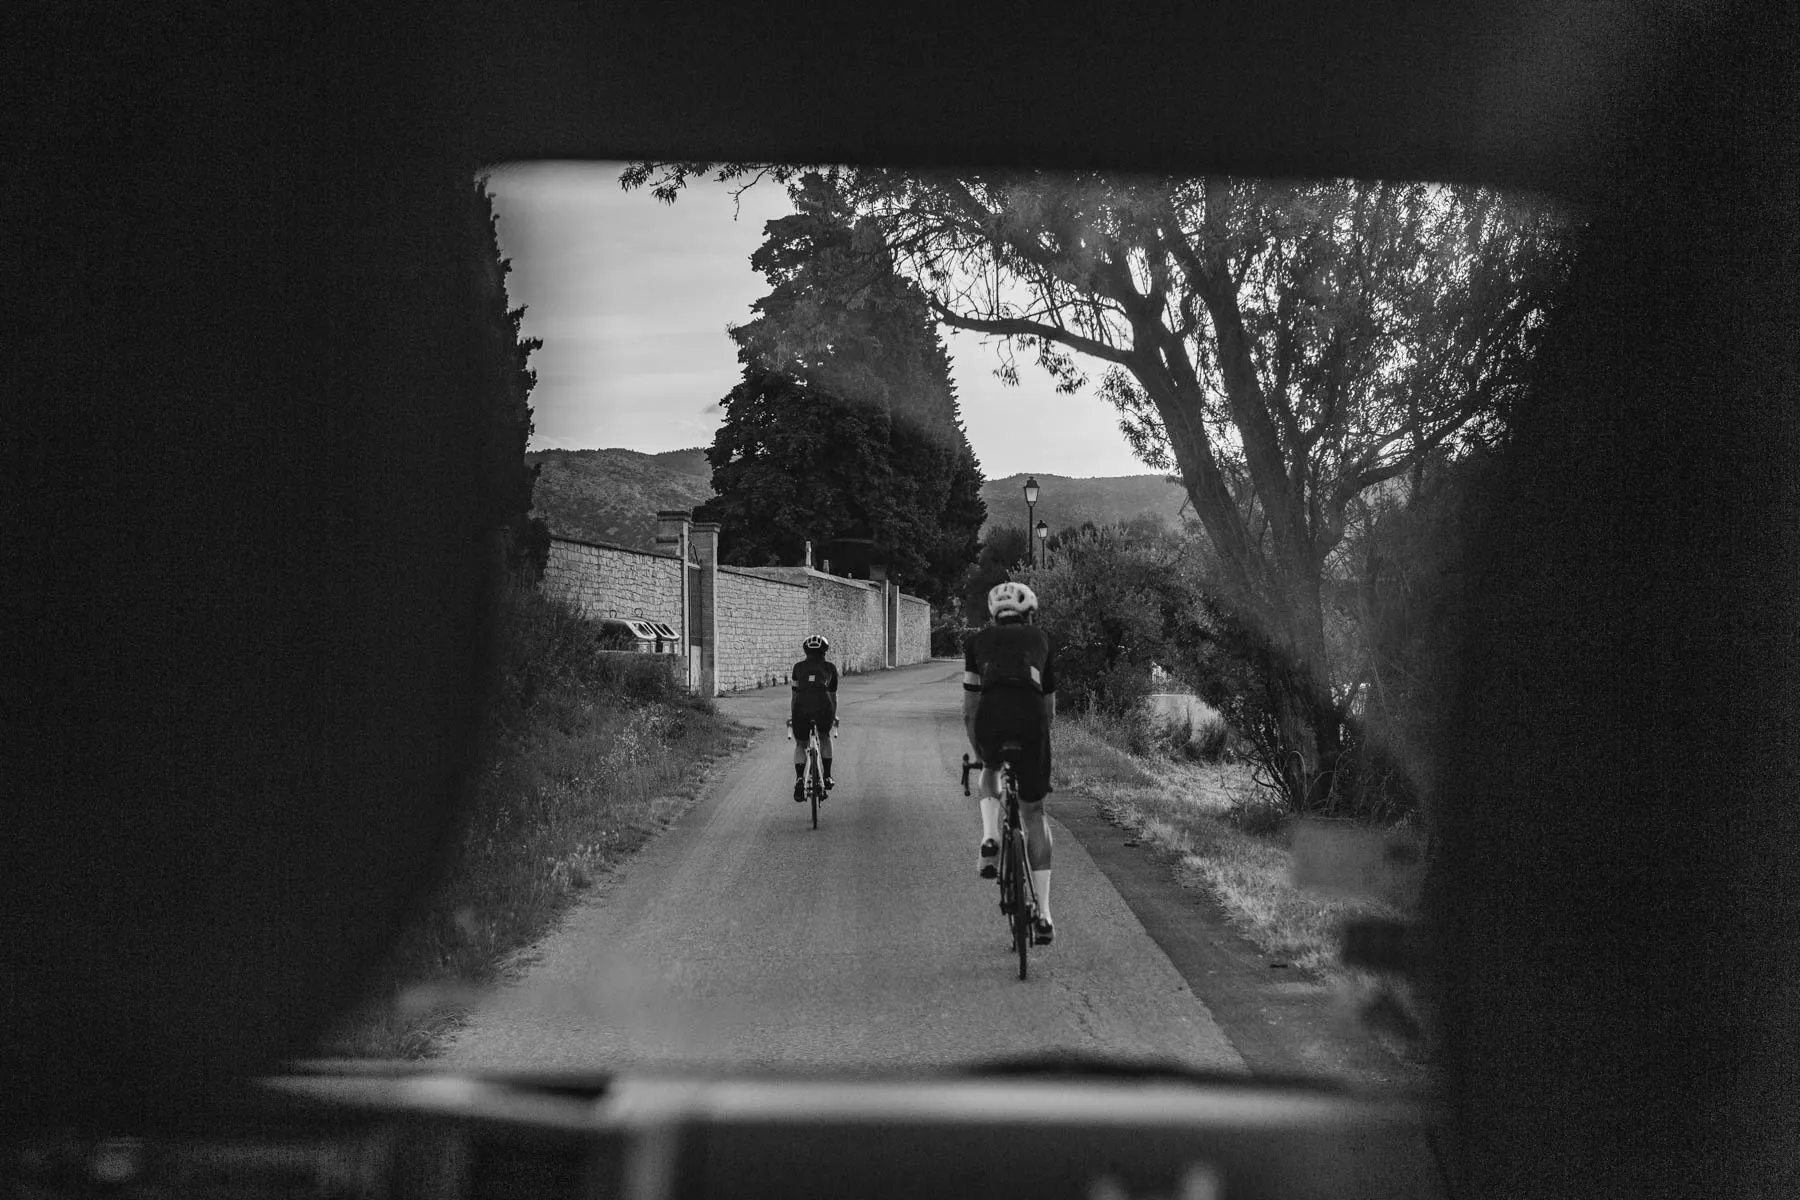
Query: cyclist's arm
point(971, 698)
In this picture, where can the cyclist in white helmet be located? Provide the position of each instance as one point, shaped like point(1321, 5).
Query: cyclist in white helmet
point(1009, 694)
point(814, 682)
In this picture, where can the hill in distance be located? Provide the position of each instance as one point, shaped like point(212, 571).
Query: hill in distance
point(613, 495)
point(1064, 502)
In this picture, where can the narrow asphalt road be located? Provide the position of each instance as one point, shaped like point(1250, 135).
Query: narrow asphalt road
point(744, 938)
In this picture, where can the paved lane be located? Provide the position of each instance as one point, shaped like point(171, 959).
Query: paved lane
point(745, 938)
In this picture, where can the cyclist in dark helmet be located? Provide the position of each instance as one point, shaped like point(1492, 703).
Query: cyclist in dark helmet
point(1009, 695)
point(815, 682)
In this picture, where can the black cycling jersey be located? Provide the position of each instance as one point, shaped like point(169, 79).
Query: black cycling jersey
point(814, 676)
point(999, 655)
point(815, 697)
point(1012, 667)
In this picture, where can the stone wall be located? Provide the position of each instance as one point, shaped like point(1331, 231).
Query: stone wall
point(611, 581)
point(761, 623)
point(915, 630)
point(747, 623)
point(848, 611)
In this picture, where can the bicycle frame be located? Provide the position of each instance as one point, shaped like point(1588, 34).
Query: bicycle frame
point(1018, 894)
point(814, 774)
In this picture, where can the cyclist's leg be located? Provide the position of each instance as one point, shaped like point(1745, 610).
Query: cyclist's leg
point(990, 734)
point(988, 797)
point(1034, 783)
point(802, 726)
point(1038, 842)
point(825, 748)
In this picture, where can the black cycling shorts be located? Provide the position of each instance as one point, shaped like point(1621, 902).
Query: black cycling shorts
point(1016, 716)
point(809, 715)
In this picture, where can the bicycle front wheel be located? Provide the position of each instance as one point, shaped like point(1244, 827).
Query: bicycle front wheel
point(814, 786)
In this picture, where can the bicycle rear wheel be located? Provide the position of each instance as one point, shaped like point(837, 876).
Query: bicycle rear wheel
point(1021, 911)
point(813, 784)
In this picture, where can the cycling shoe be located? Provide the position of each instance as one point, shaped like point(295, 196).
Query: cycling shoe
point(1042, 931)
point(990, 855)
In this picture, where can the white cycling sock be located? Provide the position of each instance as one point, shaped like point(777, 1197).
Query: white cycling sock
point(1040, 883)
point(990, 819)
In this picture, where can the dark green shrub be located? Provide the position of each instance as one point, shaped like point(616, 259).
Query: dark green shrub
point(639, 678)
point(949, 636)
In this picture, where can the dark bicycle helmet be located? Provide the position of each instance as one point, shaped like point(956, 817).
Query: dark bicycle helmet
point(815, 645)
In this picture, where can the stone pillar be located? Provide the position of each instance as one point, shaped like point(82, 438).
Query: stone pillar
point(672, 533)
point(890, 617)
point(705, 535)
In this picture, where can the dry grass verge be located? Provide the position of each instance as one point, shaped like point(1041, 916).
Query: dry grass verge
point(591, 757)
point(1234, 844)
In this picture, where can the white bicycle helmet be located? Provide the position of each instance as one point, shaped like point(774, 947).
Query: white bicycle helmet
point(815, 645)
point(1011, 599)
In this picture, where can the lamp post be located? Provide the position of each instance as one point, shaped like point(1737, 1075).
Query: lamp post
point(1042, 531)
point(1031, 494)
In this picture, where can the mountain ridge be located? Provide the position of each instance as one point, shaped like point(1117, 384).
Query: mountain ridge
point(612, 494)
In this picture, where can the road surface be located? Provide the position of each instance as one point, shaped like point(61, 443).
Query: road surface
point(743, 938)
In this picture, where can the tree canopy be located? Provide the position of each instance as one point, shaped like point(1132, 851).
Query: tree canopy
point(1284, 346)
point(845, 424)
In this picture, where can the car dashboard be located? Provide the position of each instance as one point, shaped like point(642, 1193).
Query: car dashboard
point(402, 1131)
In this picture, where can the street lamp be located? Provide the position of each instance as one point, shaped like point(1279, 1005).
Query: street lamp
point(1031, 491)
point(1042, 531)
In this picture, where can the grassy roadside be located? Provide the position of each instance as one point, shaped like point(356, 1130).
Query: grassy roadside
point(1234, 845)
point(590, 756)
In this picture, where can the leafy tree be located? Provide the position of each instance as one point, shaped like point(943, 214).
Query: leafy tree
point(846, 423)
point(501, 356)
point(1002, 554)
point(1114, 601)
point(1284, 347)
point(791, 463)
point(1399, 590)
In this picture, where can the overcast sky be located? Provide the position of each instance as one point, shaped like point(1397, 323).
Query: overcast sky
point(632, 298)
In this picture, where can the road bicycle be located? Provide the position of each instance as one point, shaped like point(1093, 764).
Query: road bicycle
point(1018, 897)
point(814, 775)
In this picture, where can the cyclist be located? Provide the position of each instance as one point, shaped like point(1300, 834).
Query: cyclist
point(815, 682)
point(1009, 694)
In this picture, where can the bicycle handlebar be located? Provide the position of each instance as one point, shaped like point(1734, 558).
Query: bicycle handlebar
point(968, 765)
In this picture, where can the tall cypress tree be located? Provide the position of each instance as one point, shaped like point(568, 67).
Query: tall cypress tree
point(500, 355)
point(846, 422)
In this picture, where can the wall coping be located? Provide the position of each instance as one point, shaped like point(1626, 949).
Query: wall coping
point(575, 541)
point(756, 573)
point(867, 585)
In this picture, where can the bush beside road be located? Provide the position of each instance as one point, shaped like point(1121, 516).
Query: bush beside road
point(590, 754)
point(1235, 841)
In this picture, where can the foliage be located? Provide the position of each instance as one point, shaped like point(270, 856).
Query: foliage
point(949, 633)
point(587, 753)
point(846, 423)
point(500, 356)
point(1284, 347)
point(1113, 603)
point(1002, 553)
point(1399, 585)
